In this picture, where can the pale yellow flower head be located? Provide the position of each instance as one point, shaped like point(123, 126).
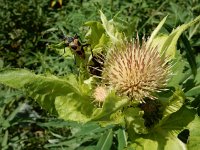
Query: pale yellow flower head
point(100, 94)
point(136, 71)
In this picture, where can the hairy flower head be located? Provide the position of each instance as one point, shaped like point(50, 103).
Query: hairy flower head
point(136, 71)
point(100, 94)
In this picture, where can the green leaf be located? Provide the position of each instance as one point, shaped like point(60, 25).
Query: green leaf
point(180, 119)
point(112, 104)
point(115, 36)
point(95, 34)
point(175, 102)
point(164, 137)
point(187, 47)
point(41, 88)
point(178, 76)
point(64, 97)
point(105, 141)
point(134, 120)
point(169, 46)
point(80, 134)
point(74, 107)
point(16, 78)
point(1, 63)
point(89, 128)
point(194, 91)
point(193, 141)
point(4, 142)
point(58, 123)
point(14, 113)
point(122, 139)
point(158, 42)
point(103, 43)
point(155, 32)
point(158, 143)
point(197, 78)
point(189, 54)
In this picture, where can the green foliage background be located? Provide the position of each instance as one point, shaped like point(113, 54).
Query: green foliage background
point(28, 27)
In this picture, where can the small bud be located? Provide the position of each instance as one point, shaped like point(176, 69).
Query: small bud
point(100, 94)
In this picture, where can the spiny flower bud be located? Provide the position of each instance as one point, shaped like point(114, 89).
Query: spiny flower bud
point(100, 94)
point(136, 71)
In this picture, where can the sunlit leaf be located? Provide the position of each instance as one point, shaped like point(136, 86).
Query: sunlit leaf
point(158, 41)
point(169, 46)
point(74, 107)
point(44, 89)
point(175, 102)
point(193, 141)
point(115, 36)
point(95, 33)
point(112, 104)
point(165, 136)
point(134, 120)
point(154, 33)
point(157, 141)
point(16, 78)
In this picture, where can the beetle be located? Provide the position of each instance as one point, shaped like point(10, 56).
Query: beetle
point(75, 44)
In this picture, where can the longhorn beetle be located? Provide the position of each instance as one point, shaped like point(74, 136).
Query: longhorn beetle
point(75, 45)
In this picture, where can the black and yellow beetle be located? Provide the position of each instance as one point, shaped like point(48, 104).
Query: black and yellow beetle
point(75, 45)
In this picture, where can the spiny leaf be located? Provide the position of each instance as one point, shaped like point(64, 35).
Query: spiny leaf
point(169, 47)
point(44, 89)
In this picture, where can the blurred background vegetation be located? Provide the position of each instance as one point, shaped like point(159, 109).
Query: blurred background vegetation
point(28, 27)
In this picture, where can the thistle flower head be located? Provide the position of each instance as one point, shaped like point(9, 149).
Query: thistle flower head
point(100, 94)
point(136, 71)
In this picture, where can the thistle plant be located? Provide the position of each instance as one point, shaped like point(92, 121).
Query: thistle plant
point(140, 72)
